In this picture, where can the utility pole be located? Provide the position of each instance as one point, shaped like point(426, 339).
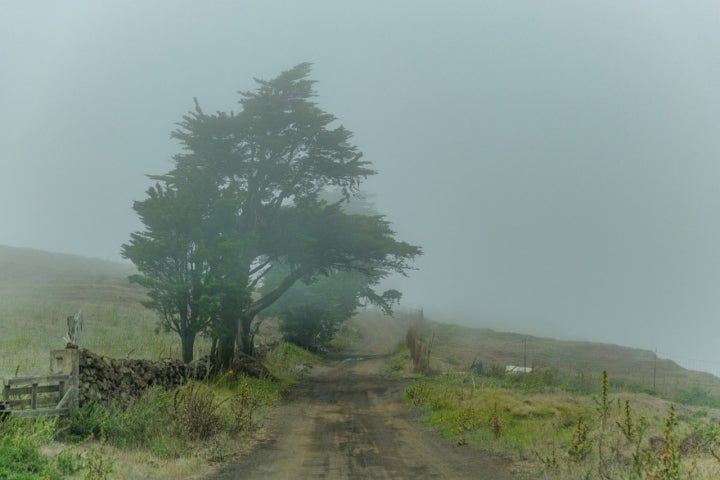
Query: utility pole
point(655, 370)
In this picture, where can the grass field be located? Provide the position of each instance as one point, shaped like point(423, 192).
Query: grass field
point(457, 347)
point(563, 420)
point(534, 419)
point(39, 290)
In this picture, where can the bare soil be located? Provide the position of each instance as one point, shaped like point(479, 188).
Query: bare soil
point(347, 421)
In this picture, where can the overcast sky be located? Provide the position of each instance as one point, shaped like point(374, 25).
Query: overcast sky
point(558, 161)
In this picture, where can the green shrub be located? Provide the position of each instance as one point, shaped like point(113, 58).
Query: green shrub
point(417, 394)
point(495, 371)
point(196, 411)
point(91, 421)
point(697, 396)
point(20, 458)
point(68, 463)
point(97, 466)
point(283, 360)
point(146, 423)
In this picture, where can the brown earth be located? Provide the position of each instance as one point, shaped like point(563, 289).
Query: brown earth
point(347, 421)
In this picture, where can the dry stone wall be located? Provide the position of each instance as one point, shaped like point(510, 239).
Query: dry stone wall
point(102, 378)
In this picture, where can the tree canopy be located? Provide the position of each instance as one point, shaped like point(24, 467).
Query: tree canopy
point(310, 313)
point(244, 195)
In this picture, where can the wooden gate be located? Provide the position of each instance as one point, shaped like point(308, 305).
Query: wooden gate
point(34, 396)
point(49, 395)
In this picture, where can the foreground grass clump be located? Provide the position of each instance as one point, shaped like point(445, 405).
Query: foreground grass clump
point(287, 362)
point(20, 458)
point(568, 435)
point(170, 423)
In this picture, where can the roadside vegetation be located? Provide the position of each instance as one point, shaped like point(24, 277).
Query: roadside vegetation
point(567, 425)
point(163, 434)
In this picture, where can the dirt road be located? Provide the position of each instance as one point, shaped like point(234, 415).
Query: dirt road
point(346, 421)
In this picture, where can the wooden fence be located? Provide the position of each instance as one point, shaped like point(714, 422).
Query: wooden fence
point(48, 395)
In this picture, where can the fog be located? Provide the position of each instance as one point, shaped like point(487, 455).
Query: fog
point(557, 161)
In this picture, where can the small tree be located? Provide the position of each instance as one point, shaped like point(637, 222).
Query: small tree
point(311, 313)
point(173, 255)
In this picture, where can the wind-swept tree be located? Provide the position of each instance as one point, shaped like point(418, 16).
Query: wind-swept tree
point(310, 313)
point(260, 174)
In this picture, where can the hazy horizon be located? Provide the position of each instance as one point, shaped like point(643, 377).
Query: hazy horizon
point(557, 162)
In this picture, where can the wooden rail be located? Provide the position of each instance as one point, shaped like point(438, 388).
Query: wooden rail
point(36, 396)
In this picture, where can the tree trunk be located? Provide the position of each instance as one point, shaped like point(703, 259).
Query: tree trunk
point(187, 341)
point(226, 333)
point(225, 351)
point(213, 347)
point(246, 338)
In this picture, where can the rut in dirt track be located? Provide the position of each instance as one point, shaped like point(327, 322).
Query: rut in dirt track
point(346, 421)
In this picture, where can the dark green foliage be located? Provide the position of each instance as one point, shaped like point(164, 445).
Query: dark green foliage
point(244, 195)
point(309, 326)
point(69, 463)
point(310, 313)
point(697, 396)
point(20, 458)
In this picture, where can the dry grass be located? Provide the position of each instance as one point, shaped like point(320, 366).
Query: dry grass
point(456, 348)
point(141, 465)
point(39, 290)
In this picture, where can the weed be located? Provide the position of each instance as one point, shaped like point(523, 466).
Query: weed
point(196, 411)
point(466, 419)
point(667, 466)
point(496, 426)
point(627, 426)
point(418, 393)
point(283, 360)
point(68, 463)
point(399, 361)
point(580, 445)
point(97, 466)
point(603, 410)
point(549, 462)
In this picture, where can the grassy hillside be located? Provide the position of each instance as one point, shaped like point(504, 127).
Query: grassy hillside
point(38, 290)
point(456, 347)
point(27, 273)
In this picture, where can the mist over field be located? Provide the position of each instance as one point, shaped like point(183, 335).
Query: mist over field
point(557, 162)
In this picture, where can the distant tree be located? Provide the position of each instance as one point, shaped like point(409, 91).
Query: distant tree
point(243, 196)
point(310, 313)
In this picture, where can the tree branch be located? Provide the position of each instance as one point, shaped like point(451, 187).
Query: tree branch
point(266, 300)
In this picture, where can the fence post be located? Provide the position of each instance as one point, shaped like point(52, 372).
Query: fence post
point(33, 396)
point(67, 362)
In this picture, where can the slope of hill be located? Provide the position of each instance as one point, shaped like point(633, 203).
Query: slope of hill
point(39, 289)
point(457, 347)
point(31, 273)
